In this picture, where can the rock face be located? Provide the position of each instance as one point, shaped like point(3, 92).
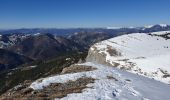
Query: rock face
point(95, 56)
point(140, 53)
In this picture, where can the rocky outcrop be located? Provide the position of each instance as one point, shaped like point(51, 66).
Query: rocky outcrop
point(95, 55)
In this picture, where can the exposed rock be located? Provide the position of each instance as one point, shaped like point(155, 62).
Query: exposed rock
point(95, 56)
point(113, 52)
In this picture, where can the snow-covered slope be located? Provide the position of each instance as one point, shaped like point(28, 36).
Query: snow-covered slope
point(144, 54)
point(110, 84)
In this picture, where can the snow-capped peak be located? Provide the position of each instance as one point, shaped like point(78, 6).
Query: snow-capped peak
point(163, 25)
point(37, 34)
point(149, 26)
point(130, 27)
point(113, 27)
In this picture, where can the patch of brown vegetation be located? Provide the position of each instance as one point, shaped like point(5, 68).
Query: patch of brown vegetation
point(166, 75)
point(140, 57)
point(77, 68)
point(123, 60)
point(111, 77)
point(55, 90)
point(113, 52)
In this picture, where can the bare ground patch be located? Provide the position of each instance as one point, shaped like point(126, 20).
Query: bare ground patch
point(77, 68)
point(55, 90)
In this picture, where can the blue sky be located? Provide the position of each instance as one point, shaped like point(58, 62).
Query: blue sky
point(82, 13)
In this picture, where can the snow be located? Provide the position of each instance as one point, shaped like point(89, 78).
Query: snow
point(37, 34)
point(149, 26)
point(33, 66)
point(3, 44)
point(55, 79)
point(148, 53)
point(163, 25)
point(169, 35)
point(160, 33)
point(113, 27)
point(68, 58)
point(137, 88)
point(76, 33)
point(130, 27)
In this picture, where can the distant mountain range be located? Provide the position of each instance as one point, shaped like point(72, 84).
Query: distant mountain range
point(63, 32)
point(156, 27)
point(40, 44)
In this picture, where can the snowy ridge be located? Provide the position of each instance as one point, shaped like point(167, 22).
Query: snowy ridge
point(130, 27)
point(124, 86)
point(161, 33)
point(163, 25)
point(139, 53)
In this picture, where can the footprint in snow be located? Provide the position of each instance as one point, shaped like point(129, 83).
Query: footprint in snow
point(118, 74)
point(145, 99)
point(116, 92)
point(128, 81)
point(134, 92)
